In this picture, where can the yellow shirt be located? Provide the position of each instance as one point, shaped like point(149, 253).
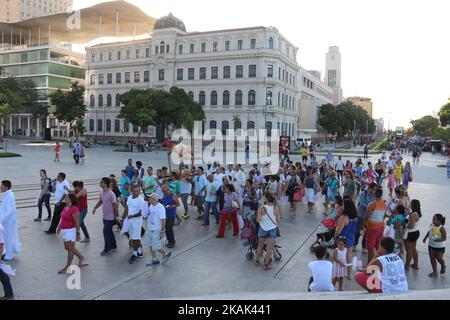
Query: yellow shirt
point(398, 171)
point(304, 152)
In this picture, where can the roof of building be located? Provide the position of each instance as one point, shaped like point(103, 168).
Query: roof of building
point(169, 21)
point(63, 27)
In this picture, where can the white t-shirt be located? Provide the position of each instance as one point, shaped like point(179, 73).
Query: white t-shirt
point(60, 188)
point(218, 177)
point(393, 276)
point(155, 214)
point(340, 165)
point(185, 186)
point(135, 205)
point(321, 271)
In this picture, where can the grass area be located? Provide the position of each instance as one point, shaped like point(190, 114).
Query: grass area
point(442, 166)
point(9, 155)
point(345, 146)
point(380, 146)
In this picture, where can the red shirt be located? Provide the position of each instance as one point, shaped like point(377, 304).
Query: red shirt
point(82, 203)
point(67, 221)
point(58, 148)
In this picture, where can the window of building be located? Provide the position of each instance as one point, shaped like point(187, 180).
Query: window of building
point(108, 125)
point(146, 76)
point(119, 55)
point(137, 76)
point(108, 100)
point(227, 45)
point(191, 73)
point(252, 71)
point(226, 98)
point(191, 95)
point(91, 125)
point(239, 71)
point(201, 98)
point(117, 125)
point(100, 100)
point(251, 98)
point(203, 47)
point(135, 128)
point(269, 128)
point(138, 53)
point(191, 48)
point(93, 57)
point(92, 100)
point(101, 56)
point(269, 98)
point(147, 52)
point(225, 127)
point(179, 74)
point(100, 78)
point(99, 125)
point(109, 78)
point(180, 49)
point(279, 73)
point(226, 72)
point(214, 46)
point(117, 100)
point(109, 56)
point(167, 48)
point(238, 98)
point(118, 77)
point(270, 43)
point(162, 47)
point(92, 80)
point(126, 127)
point(250, 125)
point(145, 130)
point(239, 45)
point(214, 98)
point(252, 43)
point(214, 72)
point(213, 124)
point(270, 70)
point(127, 77)
point(156, 49)
point(202, 73)
point(161, 74)
point(128, 54)
point(278, 100)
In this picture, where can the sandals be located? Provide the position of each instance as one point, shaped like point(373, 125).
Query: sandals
point(257, 263)
point(433, 275)
point(267, 266)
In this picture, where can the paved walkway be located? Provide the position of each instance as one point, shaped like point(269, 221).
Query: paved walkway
point(200, 264)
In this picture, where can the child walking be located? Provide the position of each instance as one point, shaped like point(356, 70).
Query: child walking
point(57, 151)
point(399, 222)
point(339, 261)
point(391, 181)
point(436, 244)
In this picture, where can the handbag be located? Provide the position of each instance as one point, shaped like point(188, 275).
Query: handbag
point(240, 222)
point(297, 197)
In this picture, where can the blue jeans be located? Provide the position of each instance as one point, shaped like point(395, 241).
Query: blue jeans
point(108, 235)
point(45, 200)
point(83, 214)
point(208, 207)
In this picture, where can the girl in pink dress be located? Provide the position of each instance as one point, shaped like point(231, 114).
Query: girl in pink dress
point(339, 261)
point(391, 181)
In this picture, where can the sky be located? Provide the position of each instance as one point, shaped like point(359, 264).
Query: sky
point(396, 52)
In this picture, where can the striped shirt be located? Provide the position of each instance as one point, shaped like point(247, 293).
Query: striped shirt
point(377, 218)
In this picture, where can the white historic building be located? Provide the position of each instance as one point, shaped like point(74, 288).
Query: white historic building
point(249, 73)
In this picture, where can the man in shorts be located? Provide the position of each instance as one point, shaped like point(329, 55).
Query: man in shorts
point(374, 222)
point(156, 226)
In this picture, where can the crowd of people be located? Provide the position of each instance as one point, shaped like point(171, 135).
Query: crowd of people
point(356, 204)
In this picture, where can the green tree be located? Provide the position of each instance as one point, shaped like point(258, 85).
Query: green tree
point(444, 115)
point(425, 126)
point(30, 95)
point(442, 134)
point(12, 99)
point(327, 118)
point(69, 106)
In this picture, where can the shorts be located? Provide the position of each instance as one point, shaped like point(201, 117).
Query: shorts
point(69, 235)
point(304, 158)
point(267, 234)
point(153, 240)
point(413, 236)
point(184, 197)
point(436, 250)
point(134, 228)
point(199, 201)
point(373, 237)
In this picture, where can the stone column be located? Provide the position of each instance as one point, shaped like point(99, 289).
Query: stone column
point(38, 127)
point(48, 123)
point(2, 121)
point(10, 125)
point(20, 122)
point(28, 132)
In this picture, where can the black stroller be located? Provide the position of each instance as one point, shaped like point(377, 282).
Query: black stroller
point(325, 238)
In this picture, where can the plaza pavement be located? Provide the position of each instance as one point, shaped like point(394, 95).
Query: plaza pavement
point(200, 264)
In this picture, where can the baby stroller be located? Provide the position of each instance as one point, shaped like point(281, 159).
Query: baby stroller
point(325, 238)
point(249, 238)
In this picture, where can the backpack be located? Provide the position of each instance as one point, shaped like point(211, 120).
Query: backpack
point(50, 187)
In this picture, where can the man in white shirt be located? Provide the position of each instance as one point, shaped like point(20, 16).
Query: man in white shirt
point(185, 191)
point(391, 163)
point(156, 226)
point(60, 187)
point(339, 167)
point(219, 175)
point(4, 278)
point(134, 207)
point(321, 272)
point(8, 218)
point(238, 179)
point(200, 183)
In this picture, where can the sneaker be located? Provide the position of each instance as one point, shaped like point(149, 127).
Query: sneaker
point(113, 250)
point(140, 255)
point(7, 298)
point(166, 257)
point(48, 232)
point(133, 259)
point(185, 215)
point(37, 219)
point(85, 240)
point(170, 245)
point(105, 252)
point(152, 263)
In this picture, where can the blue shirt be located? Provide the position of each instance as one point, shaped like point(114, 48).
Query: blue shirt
point(124, 191)
point(212, 187)
point(365, 198)
point(200, 182)
point(169, 201)
point(130, 171)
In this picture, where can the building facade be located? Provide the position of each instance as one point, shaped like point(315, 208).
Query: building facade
point(365, 103)
point(19, 10)
point(248, 73)
point(333, 73)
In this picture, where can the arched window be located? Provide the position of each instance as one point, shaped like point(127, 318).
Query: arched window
point(92, 101)
point(161, 47)
point(99, 125)
point(250, 125)
point(269, 98)
point(91, 125)
point(270, 43)
point(213, 124)
point(117, 125)
point(108, 125)
point(251, 98)
point(108, 100)
point(117, 100)
point(214, 98)
point(191, 95)
point(238, 98)
point(226, 98)
point(269, 128)
point(225, 127)
point(100, 100)
point(201, 98)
